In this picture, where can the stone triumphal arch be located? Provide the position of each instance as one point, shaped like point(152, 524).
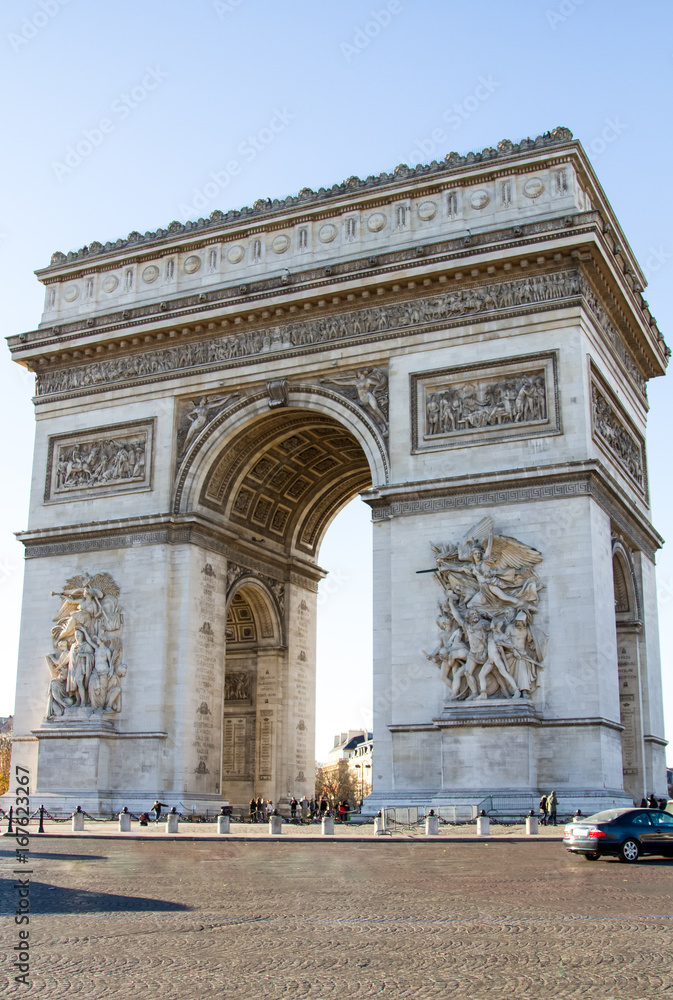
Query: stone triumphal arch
point(466, 346)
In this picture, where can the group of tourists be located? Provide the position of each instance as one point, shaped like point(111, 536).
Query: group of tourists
point(652, 802)
point(548, 807)
point(301, 810)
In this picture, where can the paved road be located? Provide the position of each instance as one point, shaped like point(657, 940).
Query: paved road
point(272, 920)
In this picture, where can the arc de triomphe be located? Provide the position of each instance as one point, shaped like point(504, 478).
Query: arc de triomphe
point(463, 344)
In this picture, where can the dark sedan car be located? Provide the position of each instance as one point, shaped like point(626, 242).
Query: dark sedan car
point(627, 833)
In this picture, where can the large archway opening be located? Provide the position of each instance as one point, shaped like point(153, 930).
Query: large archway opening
point(274, 484)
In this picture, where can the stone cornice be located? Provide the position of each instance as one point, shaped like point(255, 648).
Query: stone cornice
point(493, 719)
point(530, 485)
point(266, 210)
point(167, 529)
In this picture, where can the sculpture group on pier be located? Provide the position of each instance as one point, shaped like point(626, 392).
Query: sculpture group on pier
point(489, 645)
point(86, 665)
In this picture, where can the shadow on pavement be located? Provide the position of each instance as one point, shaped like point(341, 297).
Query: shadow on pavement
point(55, 899)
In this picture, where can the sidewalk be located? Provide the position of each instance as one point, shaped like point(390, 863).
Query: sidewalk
point(291, 832)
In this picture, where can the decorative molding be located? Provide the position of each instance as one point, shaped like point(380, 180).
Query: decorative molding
point(508, 720)
point(495, 401)
point(594, 482)
point(102, 461)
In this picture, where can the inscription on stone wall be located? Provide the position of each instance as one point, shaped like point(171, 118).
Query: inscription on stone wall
point(234, 747)
point(208, 642)
point(629, 705)
point(626, 446)
point(301, 688)
point(265, 744)
point(99, 462)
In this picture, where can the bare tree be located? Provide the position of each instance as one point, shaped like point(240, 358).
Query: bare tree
point(335, 783)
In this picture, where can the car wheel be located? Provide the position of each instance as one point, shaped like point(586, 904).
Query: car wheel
point(629, 851)
point(593, 856)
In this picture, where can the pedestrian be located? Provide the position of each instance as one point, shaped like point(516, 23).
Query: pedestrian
point(552, 803)
point(663, 803)
point(269, 808)
point(143, 819)
point(293, 810)
point(653, 802)
point(643, 803)
point(304, 809)
point(342, 813)
point(260, 810)
point(543, 810)
point(156, 809)
point(323, 807)
point(253, 810)
point(312, 808)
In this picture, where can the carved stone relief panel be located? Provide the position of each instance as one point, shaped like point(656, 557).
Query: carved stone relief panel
point(481, 404)
point(86, 663)
point(99, 462)
point(612, 429)
point(194, 415)
point(488, 645)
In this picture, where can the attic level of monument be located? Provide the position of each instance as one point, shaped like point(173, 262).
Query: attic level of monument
point(264, 208)
point(465, 346)
point(474, 229)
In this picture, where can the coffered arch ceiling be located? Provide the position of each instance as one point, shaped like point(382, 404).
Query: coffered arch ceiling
point(285, 476)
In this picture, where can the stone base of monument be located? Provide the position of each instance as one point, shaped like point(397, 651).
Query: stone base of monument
point(483, 826)
point(223, 824)
point(431, 826)
point(275, 825)
point(77, 822)
point(124, 822)
point(172, 823)
point(531, 826)
point(328, 826)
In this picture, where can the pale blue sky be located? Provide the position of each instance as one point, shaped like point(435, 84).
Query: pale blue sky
point(210, 75)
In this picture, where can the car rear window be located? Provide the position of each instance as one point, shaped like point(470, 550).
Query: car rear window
point(605, 816)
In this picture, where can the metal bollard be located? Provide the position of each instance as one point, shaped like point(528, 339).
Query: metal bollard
point(223, 824)
point(78, 820)
point(172, 821)
point(40, 828)
point(483, 826)
point(124, 821)
point(531, 826)
point(10, 828)
point(327, 826)
point(275, 825)
point(431, 826)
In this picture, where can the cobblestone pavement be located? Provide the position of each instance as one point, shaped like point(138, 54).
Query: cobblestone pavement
point(398, 918)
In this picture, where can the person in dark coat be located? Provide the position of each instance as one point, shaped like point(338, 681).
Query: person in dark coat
point(253, 810)
point(653, 802)
point(543, 810)
point(293, 810)
point(156, 809)
point(552, 803)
